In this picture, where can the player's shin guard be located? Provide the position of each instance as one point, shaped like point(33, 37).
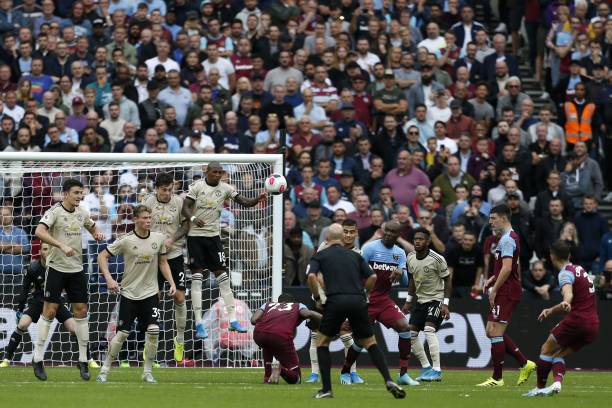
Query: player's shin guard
point(196, 296)
point(325, 367)
point(82, 334)
point(151, 340)
point(378, 358)
point(350, 359)
point(404, 351)
point(44, 325)
point(498, 351)
point(314, 361)
point(418, 350)
point(434, 347)
point(114, 349)
point(544, 366)
point(180, 314)
point(226, 293)
point(513, 350)
point(14, 341)
point(558, 369)
point(347, 341)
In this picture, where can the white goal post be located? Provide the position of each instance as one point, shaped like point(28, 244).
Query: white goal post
point(253, 240)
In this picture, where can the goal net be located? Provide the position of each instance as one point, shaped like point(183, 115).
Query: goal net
point(30, 184)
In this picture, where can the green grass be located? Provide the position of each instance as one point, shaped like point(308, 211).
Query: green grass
point(186, 388)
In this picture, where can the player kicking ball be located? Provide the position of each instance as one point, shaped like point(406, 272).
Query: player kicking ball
point(144, 255)
point(430, 286)
point(505, 292)
point(32, 293)
point(579, 327)
point(61, 227)
point(202, 207)
point(166, 218)
point(388, 261)
point(275, 325)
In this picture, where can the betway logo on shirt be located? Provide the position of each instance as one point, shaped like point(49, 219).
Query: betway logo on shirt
point(382, 266)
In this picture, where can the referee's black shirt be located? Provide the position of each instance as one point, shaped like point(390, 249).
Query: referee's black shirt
point(343, 270)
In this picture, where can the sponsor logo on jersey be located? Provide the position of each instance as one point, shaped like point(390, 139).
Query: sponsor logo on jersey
point(154, 245)
point(396, 257)
point(383, 266)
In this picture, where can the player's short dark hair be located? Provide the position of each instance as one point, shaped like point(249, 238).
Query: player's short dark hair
point(286, 298)
point(502, 209)
point(164, 179)
point(423, 231)
point(139, 209)
point(68, 184)
point(560, 249)
point(349, 222)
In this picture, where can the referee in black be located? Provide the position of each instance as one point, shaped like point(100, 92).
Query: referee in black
point(343, 272)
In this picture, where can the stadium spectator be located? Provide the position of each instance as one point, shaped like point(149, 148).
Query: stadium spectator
point(581, 176)
point(591, 227)
point(465, 264)
point(297, 256)
point(14, 243)
point(404, 179)
point(538, 281)
point(314, 222)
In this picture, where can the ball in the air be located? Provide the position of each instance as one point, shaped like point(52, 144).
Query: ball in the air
point(276, 184)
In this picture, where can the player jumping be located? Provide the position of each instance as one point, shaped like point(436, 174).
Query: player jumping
point(388, 261)
point(144, 255)
point(275, 324)
point(504, 294)
point(578, 328)
point(61, 227)
point(349, 232)
point(166, 214)
point(32, 294)
point(431, 283)
point(202, 207)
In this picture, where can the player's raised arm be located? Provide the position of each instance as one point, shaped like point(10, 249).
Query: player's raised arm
point(165, 270)
point(42, 233)
point(568, 295)
point(250, 202)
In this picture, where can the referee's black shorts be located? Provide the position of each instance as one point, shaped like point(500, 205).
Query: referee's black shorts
point(338, 308)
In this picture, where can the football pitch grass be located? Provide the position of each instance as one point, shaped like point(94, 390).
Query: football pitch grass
point(186, 388)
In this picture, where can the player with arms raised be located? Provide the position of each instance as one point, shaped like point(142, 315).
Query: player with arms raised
point(202, 207)
point(144, 255)
point(504, 295)
point(388, 261)
point(61, 227)
point(578, 328)
point(275, 324)
point(166, 218)
point(431, 287)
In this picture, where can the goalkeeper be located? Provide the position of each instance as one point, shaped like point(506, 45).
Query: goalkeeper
point(32, 295)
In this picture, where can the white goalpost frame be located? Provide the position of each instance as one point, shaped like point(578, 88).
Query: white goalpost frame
point(122, 161)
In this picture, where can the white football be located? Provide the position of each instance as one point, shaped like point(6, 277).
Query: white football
point(276, 184)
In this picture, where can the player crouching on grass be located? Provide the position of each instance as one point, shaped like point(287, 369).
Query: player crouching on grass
point(144, 254)
point(578, 328)
point(275, 324)
point(32, 293)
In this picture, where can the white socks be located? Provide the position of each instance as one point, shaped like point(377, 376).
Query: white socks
point(226, 293)
point(180, 315)
point(418, 350)
point(151, 339)
point(44, 325)
point(314, 361)
point(114, 349)
point(82, 334)
point(434, 347)
point(196, 296)
point(347, 340)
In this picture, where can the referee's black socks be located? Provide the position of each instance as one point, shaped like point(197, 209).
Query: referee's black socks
point(378, 358)
point(325, 367)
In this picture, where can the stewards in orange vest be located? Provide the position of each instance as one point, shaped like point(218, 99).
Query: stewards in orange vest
point(579, 116)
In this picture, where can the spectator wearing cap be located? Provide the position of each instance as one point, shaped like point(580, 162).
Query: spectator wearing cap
point(347, 185)
point(260, 96)
point(98, 38)
point(77, 120)
point(459, 123)
point(421, 93)
point(151, 108)
point(362, 101)
point(390, 100)
point(404, 179)
point(565, 89)
point(315, 221)
point(597, 87)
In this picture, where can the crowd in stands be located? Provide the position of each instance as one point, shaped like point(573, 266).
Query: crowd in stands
point(415, 110)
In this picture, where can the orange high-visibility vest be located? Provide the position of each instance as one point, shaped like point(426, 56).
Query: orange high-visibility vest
point(575, 130)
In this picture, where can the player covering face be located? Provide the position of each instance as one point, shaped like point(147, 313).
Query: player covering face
point(579, 327)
